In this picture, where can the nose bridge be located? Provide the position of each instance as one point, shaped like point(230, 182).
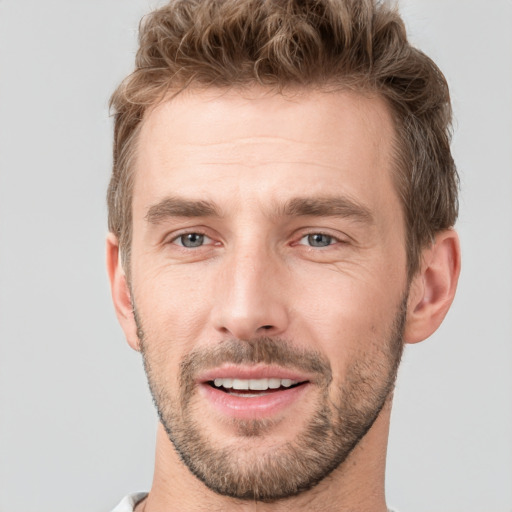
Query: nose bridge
point(252, 302)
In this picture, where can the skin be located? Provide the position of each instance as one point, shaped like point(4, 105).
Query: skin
point(250, 153)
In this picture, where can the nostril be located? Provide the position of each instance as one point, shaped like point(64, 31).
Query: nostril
point(266, 327)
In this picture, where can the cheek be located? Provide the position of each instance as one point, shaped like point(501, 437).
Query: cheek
point(173, 306)
point(347, 316)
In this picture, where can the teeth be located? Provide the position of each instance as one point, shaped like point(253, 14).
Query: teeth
point(240, 384)
point(254, 384)
point(274, 383)
point(225, 383)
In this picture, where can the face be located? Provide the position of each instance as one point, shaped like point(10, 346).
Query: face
point(268, 278)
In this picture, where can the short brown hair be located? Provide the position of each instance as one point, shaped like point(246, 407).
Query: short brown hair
point(356, 44)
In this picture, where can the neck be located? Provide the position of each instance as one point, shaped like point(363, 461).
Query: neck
point(357, 485)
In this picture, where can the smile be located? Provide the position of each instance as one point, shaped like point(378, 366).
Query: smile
point(243, 387)
point(253, 392)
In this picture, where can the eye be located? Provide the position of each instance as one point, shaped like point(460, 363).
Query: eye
point(191, 240)
point(318, 240)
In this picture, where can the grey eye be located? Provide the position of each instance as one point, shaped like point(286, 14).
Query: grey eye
point(191, 240)
point(318, 240)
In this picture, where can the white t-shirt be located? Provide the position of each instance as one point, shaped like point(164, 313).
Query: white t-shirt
point(128, 503)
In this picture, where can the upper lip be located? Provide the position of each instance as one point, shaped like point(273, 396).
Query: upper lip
point(258, 371)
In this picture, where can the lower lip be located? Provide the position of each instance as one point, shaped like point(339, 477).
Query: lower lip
point(254, 407)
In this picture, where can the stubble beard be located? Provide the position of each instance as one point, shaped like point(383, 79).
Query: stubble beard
point(334, 429)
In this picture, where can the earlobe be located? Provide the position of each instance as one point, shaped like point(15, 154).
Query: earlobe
point(433, 287)
point(120, 291)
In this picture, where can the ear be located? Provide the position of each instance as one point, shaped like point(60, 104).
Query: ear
point(120, 290)
point(433, 287)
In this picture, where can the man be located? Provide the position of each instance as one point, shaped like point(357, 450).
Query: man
point(281, 211)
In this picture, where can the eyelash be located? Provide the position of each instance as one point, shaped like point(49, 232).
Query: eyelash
point(332, 239)
point(188, 233)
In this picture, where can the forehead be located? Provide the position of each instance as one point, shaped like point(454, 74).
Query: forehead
point(213, 143)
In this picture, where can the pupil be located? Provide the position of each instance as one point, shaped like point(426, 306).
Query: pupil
point(192, 240)
point(319, 240)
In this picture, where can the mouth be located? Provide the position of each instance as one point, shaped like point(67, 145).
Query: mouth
point(251, 388)
point(253, 392)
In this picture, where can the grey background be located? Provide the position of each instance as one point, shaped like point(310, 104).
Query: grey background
point(76, 421)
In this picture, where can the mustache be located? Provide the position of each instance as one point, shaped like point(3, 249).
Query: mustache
point(263, 350)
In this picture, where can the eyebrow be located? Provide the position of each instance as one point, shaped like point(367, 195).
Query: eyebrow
point(176, 207)
point(329, 206)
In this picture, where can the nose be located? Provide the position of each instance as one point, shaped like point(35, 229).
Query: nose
point(251, 299)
